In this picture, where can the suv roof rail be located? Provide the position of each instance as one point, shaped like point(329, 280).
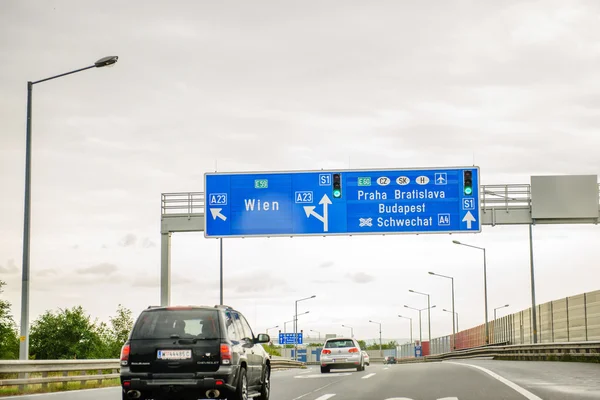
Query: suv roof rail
point(149, 307)
point(224, 306)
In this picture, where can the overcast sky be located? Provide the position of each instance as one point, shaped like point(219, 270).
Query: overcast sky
point(512, 86)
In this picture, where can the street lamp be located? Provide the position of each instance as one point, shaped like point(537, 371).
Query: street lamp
point(287, 322)
point(497, 308)
point(456, 317)
point(428, 310)
point(296, 325)
point(273, 327)
point(319, 333)
point(24, 343)
point(380, 345)
point(351, 330)
point(487, 329)
point(453, 325)
point(411, 338)
point(420, 326)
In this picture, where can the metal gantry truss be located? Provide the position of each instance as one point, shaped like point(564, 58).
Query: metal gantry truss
point(500, 205)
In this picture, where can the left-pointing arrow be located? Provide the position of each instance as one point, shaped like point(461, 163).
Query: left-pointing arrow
point(216, 213)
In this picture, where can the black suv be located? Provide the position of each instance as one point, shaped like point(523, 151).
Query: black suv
point(194, 352)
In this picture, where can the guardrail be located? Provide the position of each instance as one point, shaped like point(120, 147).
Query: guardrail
point(567, 351)
point(88, 370)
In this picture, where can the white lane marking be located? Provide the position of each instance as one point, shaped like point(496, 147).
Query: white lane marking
point(524, 392)
point(316, 390)
point(325, 397)
point(322, 375)
point(368, 376)
point(384, 368)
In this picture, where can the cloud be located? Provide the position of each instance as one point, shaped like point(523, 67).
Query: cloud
point(75, 247)
point(10, 268)
point(46, 272)
point(147, 243)
point(323, 282)
point(326, 264)
point(256, 282)
point(128, 240)
point(98, 269)
point(361, 277)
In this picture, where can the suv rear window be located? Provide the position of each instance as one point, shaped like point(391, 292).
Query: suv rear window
point(334, 344)
point(164, 324)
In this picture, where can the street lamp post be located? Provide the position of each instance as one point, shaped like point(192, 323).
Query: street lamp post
point(497, 308)
point(296, 325)
point(453, 325)
point(411, 330)
point(428, 310)
point(273, 327)
point(457, 328)
point(380, 344)
point(420, 326)
point(487, 329)
point(351, 330)
point(317, 332)
point(24, 340)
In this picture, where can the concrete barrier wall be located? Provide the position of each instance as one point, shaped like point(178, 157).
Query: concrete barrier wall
point(572, 319)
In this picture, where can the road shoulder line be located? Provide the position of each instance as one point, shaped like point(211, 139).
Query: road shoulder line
point(522, 391)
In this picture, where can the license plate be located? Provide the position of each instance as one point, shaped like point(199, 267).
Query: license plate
point(174, 354)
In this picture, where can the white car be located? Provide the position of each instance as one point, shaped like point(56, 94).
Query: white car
point(341, 353)
point(366, 359)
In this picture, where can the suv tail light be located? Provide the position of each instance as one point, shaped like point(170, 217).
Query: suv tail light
point(125, 353)
point(353, 350)
point(225, 353)
point(325, 351)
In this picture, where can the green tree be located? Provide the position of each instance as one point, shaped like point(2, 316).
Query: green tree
point(362, 344)
point(65, 334)
point(9, 340)
point(118, 333)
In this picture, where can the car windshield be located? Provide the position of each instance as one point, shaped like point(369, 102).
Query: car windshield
point(166, 324)
point(334, 344)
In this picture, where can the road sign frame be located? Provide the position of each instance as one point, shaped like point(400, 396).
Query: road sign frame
point(476, 194)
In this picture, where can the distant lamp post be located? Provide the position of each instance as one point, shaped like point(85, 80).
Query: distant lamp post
point(296, 325)
point(457, 328)
point(428, 309)
point(317, 332)
point(498, 308)
point(420, 326)
point(273, 327)
point(411, 330)
point(380, 342)
point(351, 330)
point(487, 329)
point(24, 344)
point(453, 325)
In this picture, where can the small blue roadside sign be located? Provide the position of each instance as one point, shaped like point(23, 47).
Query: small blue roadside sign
point(288, 338)
point(418, 351)
point(342, 202)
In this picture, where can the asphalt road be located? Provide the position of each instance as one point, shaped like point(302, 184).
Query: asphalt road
point(456, 380)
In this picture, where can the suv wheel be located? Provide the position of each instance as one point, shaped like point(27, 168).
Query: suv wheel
point(265, 389)
point(241, 390)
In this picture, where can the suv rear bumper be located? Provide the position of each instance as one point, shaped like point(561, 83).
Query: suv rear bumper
point(165, 383)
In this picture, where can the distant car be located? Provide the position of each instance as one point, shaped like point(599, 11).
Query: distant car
point(194, 352)
point(366, 359)
point(341, 353)
point(389, 360)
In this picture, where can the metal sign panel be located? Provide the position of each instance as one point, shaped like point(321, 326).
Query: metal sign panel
point(288, 338)
point(342, 202)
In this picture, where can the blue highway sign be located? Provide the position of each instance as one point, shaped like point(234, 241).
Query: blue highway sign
point(342, 202)
point(288, 338)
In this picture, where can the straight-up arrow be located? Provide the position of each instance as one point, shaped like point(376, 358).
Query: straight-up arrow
point(469, 219)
